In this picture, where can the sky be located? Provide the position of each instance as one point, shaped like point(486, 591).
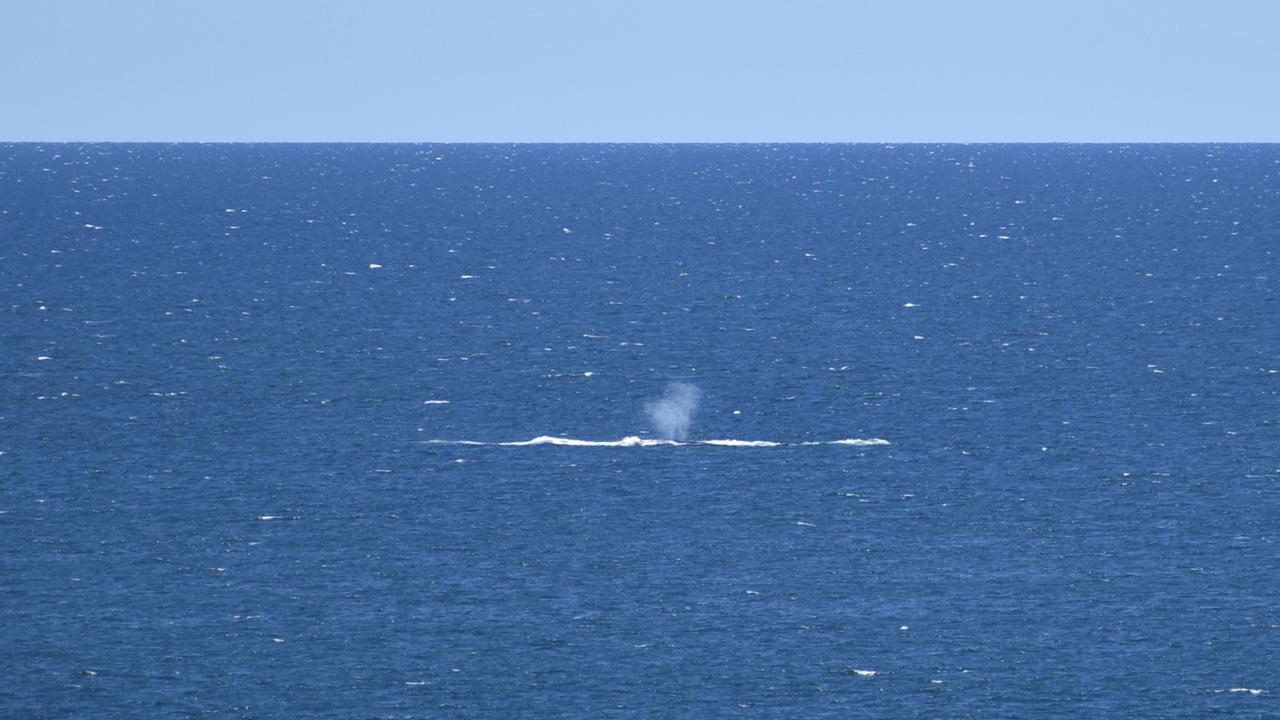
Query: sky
point(640, 70)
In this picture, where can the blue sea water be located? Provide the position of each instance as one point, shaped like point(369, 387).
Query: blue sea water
point(237, 380)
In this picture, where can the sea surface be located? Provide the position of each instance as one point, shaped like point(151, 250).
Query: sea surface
point(378, 431)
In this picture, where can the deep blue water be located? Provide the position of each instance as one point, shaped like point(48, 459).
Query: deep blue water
point(220, 495)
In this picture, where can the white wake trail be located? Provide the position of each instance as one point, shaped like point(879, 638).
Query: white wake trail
point(637, 441)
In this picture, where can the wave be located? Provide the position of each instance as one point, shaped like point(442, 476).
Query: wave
point(628, 441)
point(637, 441)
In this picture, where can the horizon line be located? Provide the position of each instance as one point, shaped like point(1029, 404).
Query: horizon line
point(635, 142)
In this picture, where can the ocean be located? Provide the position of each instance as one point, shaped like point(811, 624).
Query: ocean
point(669, 431)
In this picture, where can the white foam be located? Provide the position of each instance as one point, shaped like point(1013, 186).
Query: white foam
point(628, 441)
point(435, 402)
point(1251, 691)
point(637, 441)
point(863, 673)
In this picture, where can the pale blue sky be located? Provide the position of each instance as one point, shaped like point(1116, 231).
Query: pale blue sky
point(652, 70)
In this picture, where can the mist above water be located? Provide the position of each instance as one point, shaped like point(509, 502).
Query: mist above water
point(672, 413)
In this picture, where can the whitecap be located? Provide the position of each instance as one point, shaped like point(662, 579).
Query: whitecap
point(860, 442)
point(435, 402)
point(628, 441)
point(740, 443)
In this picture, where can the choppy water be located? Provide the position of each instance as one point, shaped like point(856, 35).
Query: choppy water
point(361, 431)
